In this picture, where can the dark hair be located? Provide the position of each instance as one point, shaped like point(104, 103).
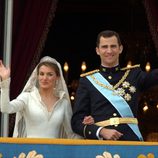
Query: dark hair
point(108, 33)
point(52, 65)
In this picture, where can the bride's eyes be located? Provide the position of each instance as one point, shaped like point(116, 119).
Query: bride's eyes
point(47, 74)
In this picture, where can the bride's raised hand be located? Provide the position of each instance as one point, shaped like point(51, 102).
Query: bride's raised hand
point(4, 71)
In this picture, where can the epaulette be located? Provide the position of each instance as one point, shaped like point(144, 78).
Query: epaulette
point(130, 67)
point(89, 73)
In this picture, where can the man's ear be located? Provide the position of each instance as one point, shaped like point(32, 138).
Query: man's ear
point(97, 51)
point(121, 49)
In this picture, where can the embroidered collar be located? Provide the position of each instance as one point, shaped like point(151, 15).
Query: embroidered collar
point(110, 70)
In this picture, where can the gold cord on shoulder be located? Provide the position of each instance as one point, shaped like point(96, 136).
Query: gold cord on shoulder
point(131, 67)
point(111, 87)
point(89, 73)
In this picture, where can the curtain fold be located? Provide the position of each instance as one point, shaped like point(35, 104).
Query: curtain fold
point(1, 27)
point(31, 22)
point(151, 8)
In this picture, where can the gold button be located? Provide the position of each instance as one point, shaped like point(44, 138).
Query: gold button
point(114, 114)
point(110, 77)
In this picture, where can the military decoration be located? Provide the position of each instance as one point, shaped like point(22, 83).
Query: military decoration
point(122, 91)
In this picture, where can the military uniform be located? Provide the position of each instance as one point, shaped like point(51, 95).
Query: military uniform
point(128, 82)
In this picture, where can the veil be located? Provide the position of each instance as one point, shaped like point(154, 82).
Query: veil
point(19, 128)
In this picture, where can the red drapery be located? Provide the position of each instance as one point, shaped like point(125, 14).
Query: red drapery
point(151, 7)
point(31, 22)
point(1, 27)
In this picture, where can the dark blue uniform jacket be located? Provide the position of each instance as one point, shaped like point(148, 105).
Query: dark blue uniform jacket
point(89, 101)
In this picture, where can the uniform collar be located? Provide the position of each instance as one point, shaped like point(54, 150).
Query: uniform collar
point(110, 70)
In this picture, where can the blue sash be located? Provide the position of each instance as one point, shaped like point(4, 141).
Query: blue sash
point(116, 100)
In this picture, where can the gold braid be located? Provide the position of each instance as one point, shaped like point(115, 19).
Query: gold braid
point(111, 87)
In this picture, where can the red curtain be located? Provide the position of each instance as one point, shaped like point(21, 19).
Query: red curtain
point(1, 27)
point(151, 7)
point(31, 22)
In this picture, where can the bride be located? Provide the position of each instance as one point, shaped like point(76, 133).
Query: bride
point(43, 109)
